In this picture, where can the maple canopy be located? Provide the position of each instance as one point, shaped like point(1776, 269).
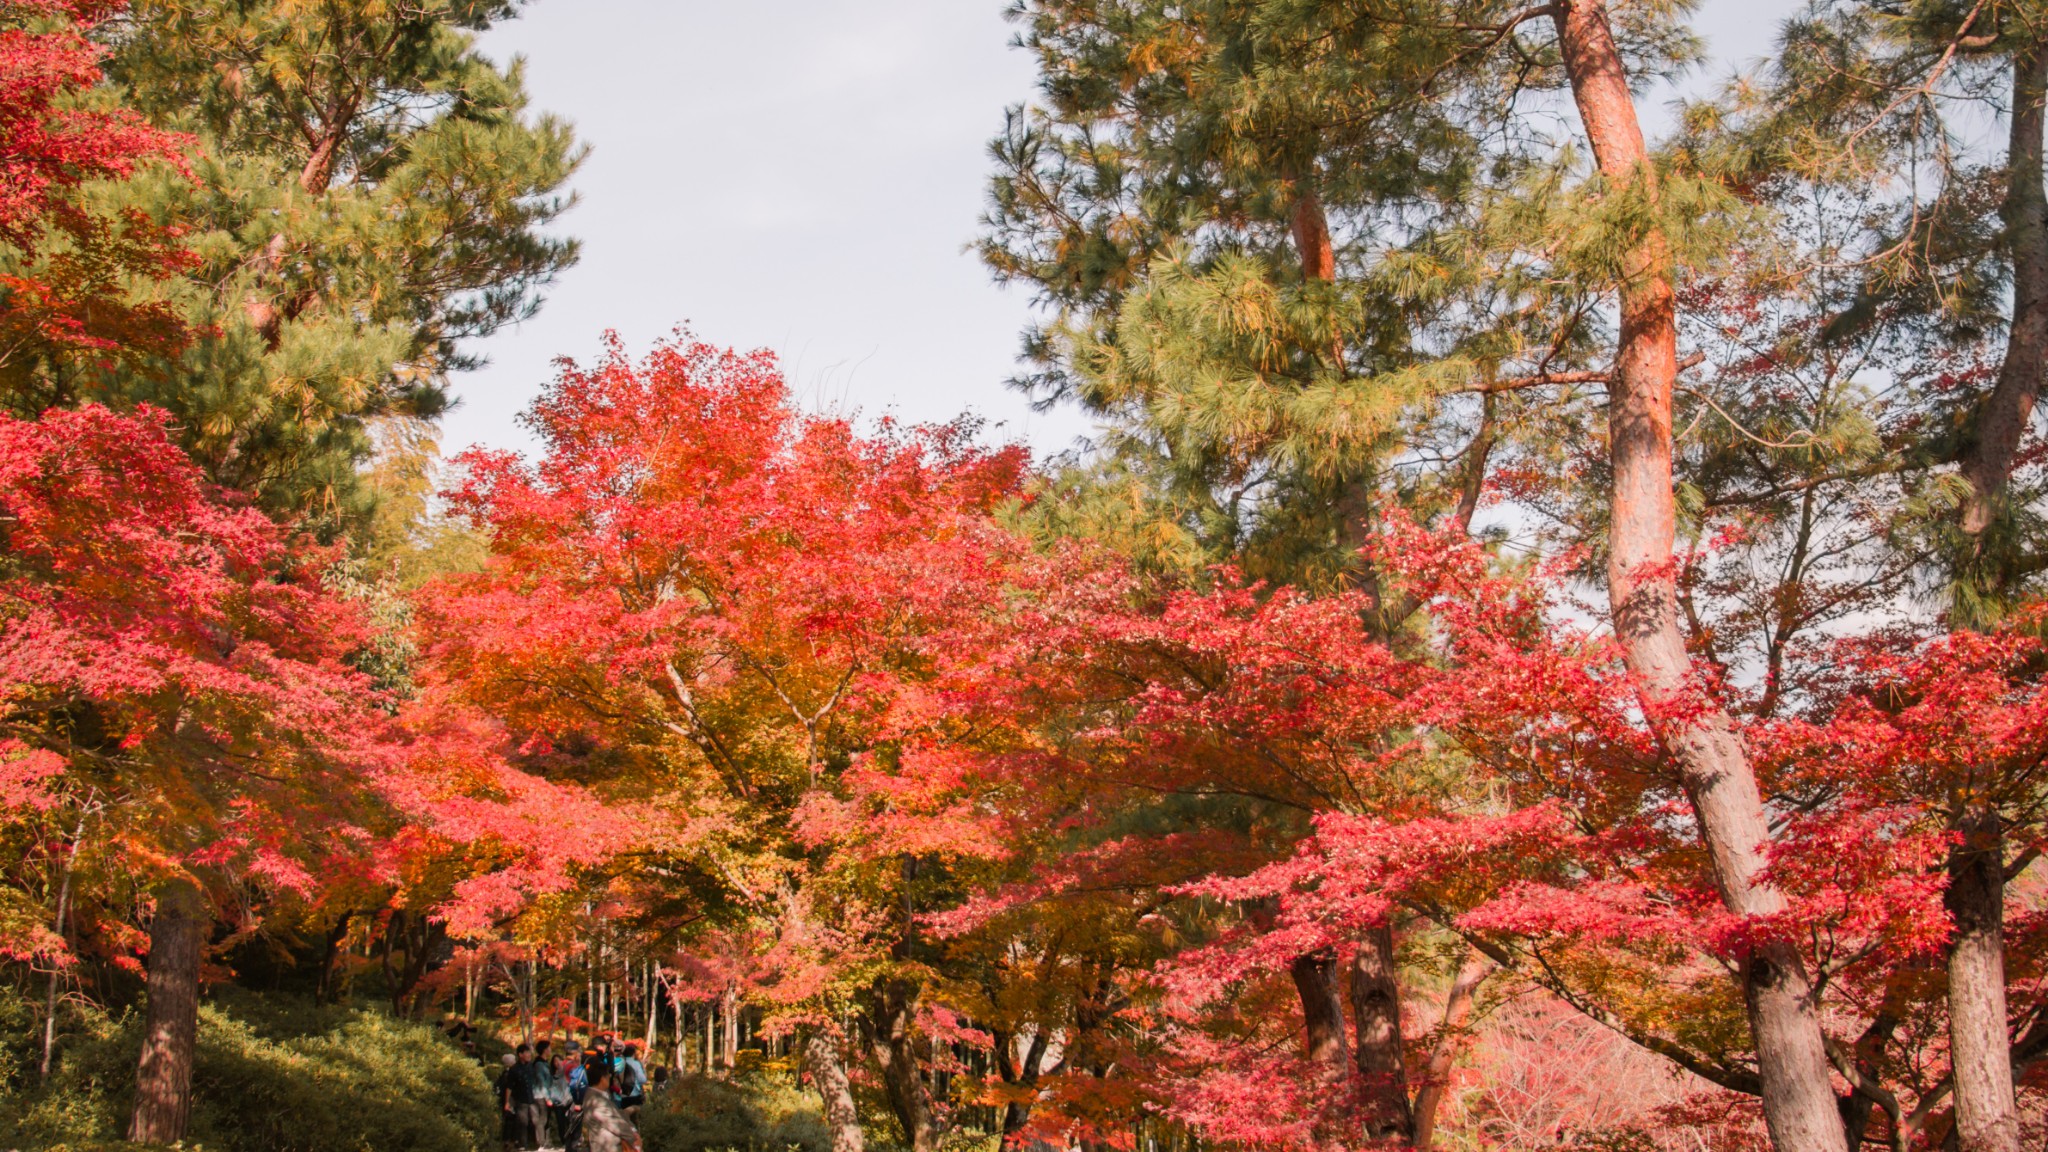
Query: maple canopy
point(1546, 650)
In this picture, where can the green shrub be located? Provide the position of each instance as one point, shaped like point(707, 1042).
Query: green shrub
point(761, 1109)
point(270, 1079)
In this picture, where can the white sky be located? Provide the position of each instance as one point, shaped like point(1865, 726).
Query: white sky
point(801, 175)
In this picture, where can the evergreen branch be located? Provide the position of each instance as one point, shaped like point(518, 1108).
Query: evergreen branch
point(1546, 379)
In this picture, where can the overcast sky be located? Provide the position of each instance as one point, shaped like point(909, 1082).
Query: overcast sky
point(801, 175)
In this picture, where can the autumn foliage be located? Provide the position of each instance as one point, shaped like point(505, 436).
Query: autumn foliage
point(1553, 678)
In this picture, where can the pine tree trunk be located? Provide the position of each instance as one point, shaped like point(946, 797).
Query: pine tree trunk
point(1987, 1118)
point(1799, 1102)
point(170, 1033)
point(827, 1069)
point(2002, 421)
point(1376, 1014)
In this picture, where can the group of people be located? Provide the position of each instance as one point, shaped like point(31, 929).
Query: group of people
point(585, 1101)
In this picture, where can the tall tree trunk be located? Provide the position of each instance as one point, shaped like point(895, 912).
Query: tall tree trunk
point(1429, 1096)
point(1798, 1098)
point(653, 1007)
point(827, 1069)
point(892, 1006)
point(2002, 420)
point(729, 1015)
point(170, 1032)
point(523, 982)
point(682, 1051)
point(56, 971)
point(1376, 1014)
point(1987, 1118)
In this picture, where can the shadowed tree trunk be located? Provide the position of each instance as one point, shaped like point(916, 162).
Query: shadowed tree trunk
point(1322, 1010)
point(170, 1033)
point(892, 1006)
point(1376, 1014)
point(1799, 1101)
point(325, 987)
point(1987, 1118)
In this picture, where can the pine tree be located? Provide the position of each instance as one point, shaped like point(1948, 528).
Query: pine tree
point(1544, 272)
point(372, 195)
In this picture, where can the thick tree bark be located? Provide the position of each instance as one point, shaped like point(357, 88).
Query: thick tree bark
point(827, 1070)
point(1376, 1014)
point(2002, 420)
point(1987, 1118)
point(893, 1004)
point(1429, 1096)
point(170, 1034)
point(1799, 1101)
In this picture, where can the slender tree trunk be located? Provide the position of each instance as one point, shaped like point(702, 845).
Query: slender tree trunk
point(682, 1036)
point(1987, 1118)
point(827, 1068)
point(653, 1007)
point(1799, 1102)
point(2002, 420)
point(729, 1011)
point(710, 1036)
point(524, 986)
point(56, 971)
point(1376, 1014)
point(170, 1033)
point(1450, 1038)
